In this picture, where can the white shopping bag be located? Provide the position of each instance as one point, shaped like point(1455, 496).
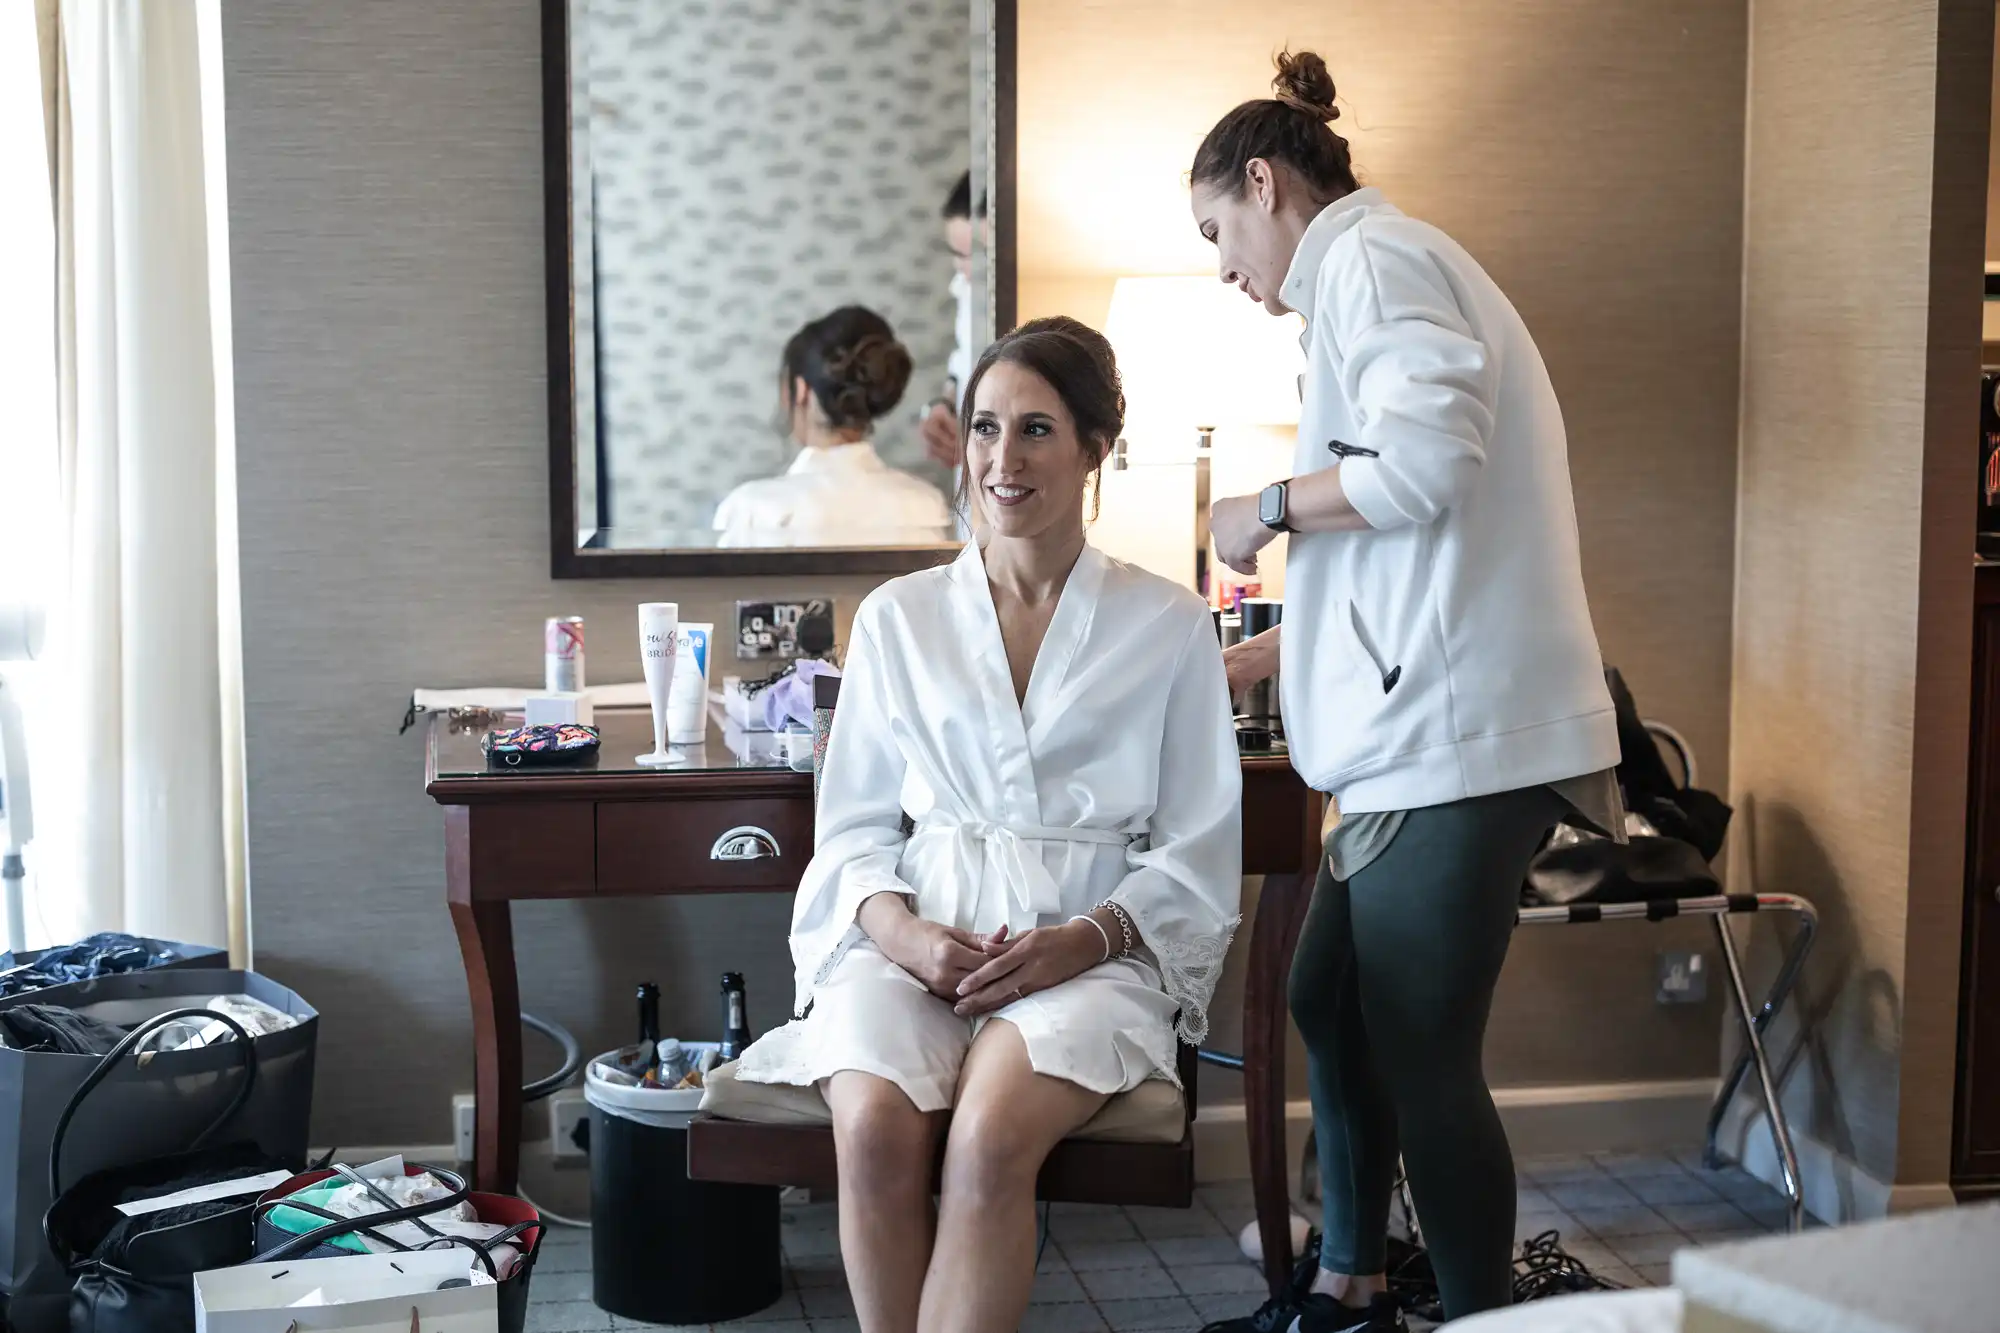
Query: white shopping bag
point(362, 1293)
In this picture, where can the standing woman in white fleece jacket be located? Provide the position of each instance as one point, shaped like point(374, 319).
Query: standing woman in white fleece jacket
point(1441, 677)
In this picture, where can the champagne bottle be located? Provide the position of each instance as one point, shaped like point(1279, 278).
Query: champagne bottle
point(649, 1013)
point(735, 1016)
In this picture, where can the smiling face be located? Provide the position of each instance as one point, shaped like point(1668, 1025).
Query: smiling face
point(1023, 453)
point(1253, 242)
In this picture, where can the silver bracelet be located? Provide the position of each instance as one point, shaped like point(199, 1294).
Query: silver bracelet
point(1124, 924)
point(1100, 930)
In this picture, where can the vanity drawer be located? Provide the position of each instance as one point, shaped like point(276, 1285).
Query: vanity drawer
point(537, 849)
point(697, 846)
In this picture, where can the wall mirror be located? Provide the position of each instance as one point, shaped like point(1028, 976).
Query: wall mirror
point(727, 180)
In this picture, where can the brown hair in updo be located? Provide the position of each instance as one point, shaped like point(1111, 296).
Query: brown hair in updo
point(1078, 363)
point(851, 361)
point(1293, 127)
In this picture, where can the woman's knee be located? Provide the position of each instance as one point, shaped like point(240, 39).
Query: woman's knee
point(878, 1132)
point(992, 1153)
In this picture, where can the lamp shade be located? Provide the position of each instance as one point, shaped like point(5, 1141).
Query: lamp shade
point(1194, 352)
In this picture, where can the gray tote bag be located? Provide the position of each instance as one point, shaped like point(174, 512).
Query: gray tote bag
point(149, 1107)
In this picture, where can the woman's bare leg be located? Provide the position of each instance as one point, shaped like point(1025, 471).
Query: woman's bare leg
point(1008, 1117)
point(885, 1146)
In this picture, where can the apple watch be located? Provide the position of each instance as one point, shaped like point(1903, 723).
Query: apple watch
point(1273, 506)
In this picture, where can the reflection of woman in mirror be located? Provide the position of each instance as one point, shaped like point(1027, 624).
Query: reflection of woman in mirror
point(837, 376)
point(1057, 908)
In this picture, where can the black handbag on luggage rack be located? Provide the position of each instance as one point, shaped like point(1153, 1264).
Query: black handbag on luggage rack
point(136, 1274)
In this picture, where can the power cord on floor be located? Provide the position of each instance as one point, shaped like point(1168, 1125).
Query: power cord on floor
point(1041, 1246)
point(1544, 1269)
point(548, 1087)
point(572, 1059)
point(549, 1215)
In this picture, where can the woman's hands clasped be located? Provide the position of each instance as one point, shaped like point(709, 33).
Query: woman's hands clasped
point(979, 973)
point(942, 957)
point(939, 956)
point(1023, 964)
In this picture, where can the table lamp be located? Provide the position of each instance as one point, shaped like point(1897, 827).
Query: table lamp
point(1196, 355)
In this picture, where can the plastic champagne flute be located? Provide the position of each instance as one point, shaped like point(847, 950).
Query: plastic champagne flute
point(658, 623)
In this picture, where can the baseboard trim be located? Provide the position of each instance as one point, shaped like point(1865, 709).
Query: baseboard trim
point(1833, 1186)
point(1836, 1188)
point(1541, 1119)
point(1922, 1198)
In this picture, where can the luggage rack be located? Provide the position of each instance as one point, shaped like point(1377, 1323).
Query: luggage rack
point(1719, 908)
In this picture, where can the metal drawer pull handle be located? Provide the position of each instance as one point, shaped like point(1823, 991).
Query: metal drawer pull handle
point(745, 843)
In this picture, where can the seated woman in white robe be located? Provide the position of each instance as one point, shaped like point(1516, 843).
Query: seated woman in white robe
point(1056, 726)
point(838, 376)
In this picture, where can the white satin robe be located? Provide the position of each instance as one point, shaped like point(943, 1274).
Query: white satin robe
point(841, 495)
point(1117, 778)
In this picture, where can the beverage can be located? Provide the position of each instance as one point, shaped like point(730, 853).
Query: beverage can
point(562, 655)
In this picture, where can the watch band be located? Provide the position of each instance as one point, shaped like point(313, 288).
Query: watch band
point(1279, 522)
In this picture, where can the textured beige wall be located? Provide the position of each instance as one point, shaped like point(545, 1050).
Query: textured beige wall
point(1855, 532)
point(1590, 155)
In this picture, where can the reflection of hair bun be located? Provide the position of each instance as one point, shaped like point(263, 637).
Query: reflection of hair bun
point(852, 362)
point(1303, 82)
point(867, 379)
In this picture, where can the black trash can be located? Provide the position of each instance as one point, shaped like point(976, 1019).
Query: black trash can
point(665, 1249)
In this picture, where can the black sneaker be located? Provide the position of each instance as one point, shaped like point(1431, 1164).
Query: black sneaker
point(1278, 1314)
point(1324, 1314)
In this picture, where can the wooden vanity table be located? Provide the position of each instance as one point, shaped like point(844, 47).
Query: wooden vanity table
point(729, 823)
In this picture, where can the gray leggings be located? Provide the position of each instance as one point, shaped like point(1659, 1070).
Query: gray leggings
point(1391, 987)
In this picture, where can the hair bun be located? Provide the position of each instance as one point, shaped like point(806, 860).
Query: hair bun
point(869, 376)
point(1303, 82)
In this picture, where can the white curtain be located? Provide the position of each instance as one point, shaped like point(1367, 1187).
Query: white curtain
point(138, 829)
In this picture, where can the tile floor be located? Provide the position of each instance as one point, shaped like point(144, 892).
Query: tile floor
point(1134, 1270)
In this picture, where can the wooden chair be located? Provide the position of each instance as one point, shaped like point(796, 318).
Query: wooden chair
point(747, 1152)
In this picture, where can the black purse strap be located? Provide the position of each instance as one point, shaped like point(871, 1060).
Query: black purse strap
point(456, 1185)
point(348, 1226)
point(109, 1061)
point(365, 1226)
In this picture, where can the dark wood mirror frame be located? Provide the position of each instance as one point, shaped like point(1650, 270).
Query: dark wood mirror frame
point(565, 559)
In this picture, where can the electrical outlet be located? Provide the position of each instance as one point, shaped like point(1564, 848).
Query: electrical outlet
point(784, 629)
point(1683, 977)
point(566, 1111)
point(461, 1125)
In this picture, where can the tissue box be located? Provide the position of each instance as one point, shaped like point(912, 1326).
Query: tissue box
point(555, 708)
